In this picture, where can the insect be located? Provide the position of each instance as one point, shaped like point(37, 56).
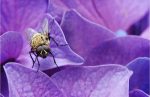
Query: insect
point(40, 43)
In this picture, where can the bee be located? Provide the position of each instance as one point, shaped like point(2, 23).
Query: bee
point(40, 43)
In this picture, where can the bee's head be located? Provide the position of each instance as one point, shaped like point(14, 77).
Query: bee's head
point(47, 36)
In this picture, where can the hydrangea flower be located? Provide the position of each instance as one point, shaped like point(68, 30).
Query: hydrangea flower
point(110, 60)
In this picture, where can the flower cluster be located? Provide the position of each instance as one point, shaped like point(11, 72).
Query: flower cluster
point(107, 53)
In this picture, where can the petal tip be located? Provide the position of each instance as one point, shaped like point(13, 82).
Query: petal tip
point(13, 40)
point(9, 65)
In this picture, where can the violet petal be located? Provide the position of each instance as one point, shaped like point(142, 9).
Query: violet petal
point(25, 82)
point(3, 83)
point(146, 33)
point(120, 50)
point(83, 35)
point(11, 46)
point(17, 15)
point(1, 95)
point(138, 93)
point(113, 14)
point(63, 54)
point(107, 80)
point(140, 77)
point(121, 14)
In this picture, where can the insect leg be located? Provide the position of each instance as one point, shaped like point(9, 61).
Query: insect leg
point(57, 43)
point(54, 60)
point(32, 58)
point(38, 63)
point(52, 22)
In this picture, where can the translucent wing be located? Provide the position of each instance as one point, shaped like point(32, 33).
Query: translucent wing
point(29, 33)
point(44, 27)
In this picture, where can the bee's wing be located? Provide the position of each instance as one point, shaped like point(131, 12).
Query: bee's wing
point(29, 33)
point(45, 26)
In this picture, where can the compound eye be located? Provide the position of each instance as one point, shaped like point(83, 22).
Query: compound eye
point(49, 36)
point(46, 38)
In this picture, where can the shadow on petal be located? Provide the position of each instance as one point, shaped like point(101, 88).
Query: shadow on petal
point(3, 83)
point(1, 95)
point(140, 77)
point(140, 25)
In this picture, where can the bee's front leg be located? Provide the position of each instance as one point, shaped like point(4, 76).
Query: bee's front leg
point(38, 63)
point(33, 61)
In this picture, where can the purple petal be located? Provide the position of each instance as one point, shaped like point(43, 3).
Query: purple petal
point(1, 95)
point(17, 15)
point(3, 83)
point(140, 77)
point(112, 13)
point(25, 82)
point(81, 34)
point(120, 50)
point(63, 54)
point(11, 46)
point(25, 59)
point(138, 93)
point(146, 34)
point(121, 14)
point(107, 80)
